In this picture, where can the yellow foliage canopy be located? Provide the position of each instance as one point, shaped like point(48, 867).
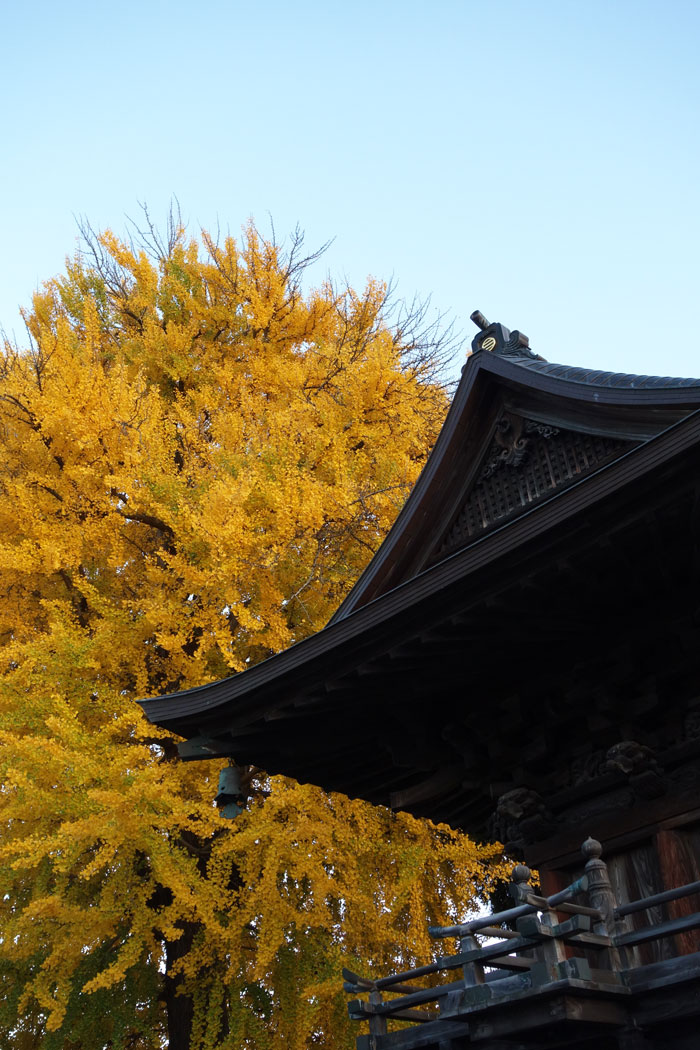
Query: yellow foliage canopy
point(197, 460)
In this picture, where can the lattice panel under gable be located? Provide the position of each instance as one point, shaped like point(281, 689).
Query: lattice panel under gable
point(526, 463)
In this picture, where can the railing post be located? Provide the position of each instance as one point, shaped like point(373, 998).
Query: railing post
point(601, 896)
point(473, 972)
point(377, 1022)
point(550, 952)
point(553, 949)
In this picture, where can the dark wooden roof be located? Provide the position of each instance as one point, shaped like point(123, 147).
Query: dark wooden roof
point(511, 378)
point(535, 601)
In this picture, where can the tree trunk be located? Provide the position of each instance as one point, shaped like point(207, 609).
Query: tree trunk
point(179, 1008)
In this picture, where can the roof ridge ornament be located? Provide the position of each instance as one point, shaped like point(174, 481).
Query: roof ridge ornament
point(498, 339)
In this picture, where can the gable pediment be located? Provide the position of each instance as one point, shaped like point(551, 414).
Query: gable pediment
point(526, 462)
point(519, 432)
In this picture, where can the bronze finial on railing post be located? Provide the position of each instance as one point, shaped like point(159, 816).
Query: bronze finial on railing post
point(520, 886)
point(600, 895)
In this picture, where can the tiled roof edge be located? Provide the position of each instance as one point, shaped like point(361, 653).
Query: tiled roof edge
point(591, 377)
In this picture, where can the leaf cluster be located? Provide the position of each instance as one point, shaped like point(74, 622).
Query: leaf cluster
point(198, 458)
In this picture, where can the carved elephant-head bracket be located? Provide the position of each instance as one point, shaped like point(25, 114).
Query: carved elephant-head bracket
point(639, 763)
point(521, 817)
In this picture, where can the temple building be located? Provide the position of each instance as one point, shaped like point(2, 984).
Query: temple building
point(520, 659)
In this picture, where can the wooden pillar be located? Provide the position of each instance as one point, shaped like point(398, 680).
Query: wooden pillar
point(678, 869)
point(552, 882)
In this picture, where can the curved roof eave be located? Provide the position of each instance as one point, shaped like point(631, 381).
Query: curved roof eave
point(248, 695)
point(508, 366)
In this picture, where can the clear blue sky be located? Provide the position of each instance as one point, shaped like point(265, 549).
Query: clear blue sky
point(537, 160)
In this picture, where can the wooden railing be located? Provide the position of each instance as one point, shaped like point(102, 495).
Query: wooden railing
point(625, 939)
point(543, 945)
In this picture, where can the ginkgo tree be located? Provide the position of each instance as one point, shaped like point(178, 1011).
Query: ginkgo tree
point(198, 456)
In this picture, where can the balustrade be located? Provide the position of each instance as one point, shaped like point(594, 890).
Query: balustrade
point(553, 942)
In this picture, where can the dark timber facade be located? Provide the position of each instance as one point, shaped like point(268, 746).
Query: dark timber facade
point(521, 659)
